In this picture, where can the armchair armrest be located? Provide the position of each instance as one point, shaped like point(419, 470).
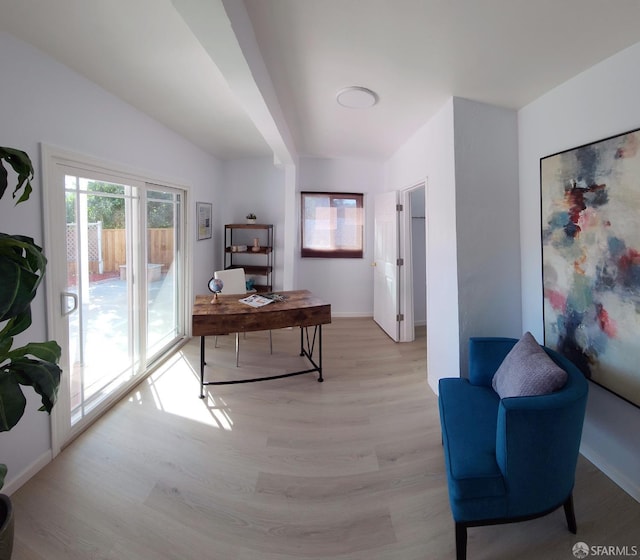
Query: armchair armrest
point(485, 356)
point(537, 444)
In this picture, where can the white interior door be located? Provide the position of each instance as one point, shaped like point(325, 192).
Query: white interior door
point(385, 265)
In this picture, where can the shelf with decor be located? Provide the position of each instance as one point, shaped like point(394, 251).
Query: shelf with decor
point(250, 246)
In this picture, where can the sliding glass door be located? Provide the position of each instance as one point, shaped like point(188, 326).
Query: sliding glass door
point(119, 281)
point(163, 249)
point(100, 300)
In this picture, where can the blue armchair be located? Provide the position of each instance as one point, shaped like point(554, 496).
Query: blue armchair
point(508, 459)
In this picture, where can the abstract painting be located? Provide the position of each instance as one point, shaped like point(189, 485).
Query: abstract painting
point(590, 201)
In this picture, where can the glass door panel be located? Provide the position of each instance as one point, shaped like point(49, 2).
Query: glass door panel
point(99, 240)
point(163, 325)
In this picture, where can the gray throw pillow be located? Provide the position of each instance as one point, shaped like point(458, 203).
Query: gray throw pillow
point(527, 371)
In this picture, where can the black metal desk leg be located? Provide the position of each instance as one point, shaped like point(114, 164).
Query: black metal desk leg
point(307, 349)
point(320, 378)
point(310, 349)
point(202, 363)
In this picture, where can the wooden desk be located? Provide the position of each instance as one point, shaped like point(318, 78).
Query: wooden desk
point(300, 309)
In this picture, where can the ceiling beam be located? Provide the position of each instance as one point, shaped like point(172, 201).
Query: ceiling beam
point(224, 29)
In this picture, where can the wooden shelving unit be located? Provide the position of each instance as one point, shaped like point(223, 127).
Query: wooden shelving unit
point(258, 264)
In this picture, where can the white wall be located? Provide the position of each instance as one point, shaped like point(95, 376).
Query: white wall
point(600, 102)
point(42, 101)
point(258, 186)
point(488, 229)
point(429, 154)
point(346, 283)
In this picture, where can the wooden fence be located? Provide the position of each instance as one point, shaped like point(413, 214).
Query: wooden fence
point(114, 248)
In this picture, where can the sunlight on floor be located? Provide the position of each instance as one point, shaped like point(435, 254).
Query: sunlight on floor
point(175, 392)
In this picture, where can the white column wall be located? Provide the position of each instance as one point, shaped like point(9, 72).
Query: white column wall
point(487, 223)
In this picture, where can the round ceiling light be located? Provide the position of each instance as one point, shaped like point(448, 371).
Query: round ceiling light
point(356, 97)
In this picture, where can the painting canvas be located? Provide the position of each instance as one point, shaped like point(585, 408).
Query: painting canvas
point(203, 211)
point(590, 201)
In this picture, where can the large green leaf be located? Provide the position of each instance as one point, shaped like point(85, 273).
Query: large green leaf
point(18, 291)
point(33, 253)
point(5, 346)
point(20, 246)
point(44, 377)
point(9, 284)
point(17, 324)
point(22, 267)
point(45, 351)
point(24, 251)
point(3, 473)
point(3, 181)
point(21, 164)
point(12, 401)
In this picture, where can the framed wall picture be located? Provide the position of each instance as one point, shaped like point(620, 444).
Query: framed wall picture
point(590, 210)
point(203, 212)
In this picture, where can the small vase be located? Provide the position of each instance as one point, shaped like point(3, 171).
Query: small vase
point(256, 245)
point(251, 220)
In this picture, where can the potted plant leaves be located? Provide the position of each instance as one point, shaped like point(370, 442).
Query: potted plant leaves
point(22, 269)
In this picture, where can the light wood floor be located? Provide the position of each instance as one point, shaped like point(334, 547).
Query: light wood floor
point(351, 468)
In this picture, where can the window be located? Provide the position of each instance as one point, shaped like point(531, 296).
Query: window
point(332, 225)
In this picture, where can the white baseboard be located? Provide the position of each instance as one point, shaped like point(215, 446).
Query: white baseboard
point(351, 314)
point(629, 486)
point(30, 471)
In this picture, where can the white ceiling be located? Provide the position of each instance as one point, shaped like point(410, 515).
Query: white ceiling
point(244, 79)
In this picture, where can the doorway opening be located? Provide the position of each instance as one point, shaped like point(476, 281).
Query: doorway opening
point(413, 251)
point(400, 273)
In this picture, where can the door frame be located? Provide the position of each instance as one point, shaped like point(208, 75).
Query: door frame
point(405, 281)
point(54, 213)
